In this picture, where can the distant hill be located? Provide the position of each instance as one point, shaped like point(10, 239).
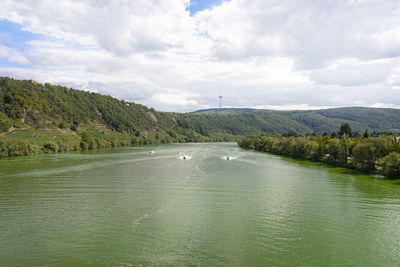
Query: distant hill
point(56, 117)
point(324, 120)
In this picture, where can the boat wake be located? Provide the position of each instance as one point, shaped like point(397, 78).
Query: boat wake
point(185, 157)
point(229, 158)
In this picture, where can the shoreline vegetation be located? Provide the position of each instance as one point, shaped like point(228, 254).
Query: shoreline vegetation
point(367, 153)
point(40, 118)
point(25, 142)
point(13, 148)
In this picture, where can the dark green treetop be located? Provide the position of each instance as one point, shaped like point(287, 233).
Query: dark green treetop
point(345, 129)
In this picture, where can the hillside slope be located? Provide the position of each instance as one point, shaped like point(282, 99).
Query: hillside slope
point(328, 120)
point(57, 118)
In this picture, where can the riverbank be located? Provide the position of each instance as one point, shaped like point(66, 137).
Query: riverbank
point(30, 141)
point(369, 155)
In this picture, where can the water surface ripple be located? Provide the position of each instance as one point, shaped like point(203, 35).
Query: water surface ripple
point(129, 207)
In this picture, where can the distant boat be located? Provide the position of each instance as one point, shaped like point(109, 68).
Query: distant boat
point(152, 152)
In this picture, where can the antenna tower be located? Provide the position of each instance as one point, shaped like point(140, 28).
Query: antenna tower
point(220, 98)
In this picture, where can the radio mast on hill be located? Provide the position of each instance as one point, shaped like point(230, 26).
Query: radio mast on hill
point(220, 98)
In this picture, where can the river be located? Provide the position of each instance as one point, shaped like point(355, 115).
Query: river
point(130, 207)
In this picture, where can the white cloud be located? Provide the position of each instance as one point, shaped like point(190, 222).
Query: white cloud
point(13, 55)
point(174, 98)
point(353, 73)
point(314, 33)
point(291, 107)
point(383, 105)
point(267, 53)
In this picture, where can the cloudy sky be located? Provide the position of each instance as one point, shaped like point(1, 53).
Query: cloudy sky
point(175, 55)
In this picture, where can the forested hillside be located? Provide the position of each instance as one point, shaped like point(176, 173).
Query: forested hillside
point(326, 120)
point(36, 118)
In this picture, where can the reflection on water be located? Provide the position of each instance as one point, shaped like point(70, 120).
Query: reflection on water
point(148, 206)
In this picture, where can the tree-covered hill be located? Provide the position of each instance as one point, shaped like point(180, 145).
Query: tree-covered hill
point(38, 117)
point(328, 120)
point(31, 106)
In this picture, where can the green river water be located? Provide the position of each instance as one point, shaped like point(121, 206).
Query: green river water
point(128, 207)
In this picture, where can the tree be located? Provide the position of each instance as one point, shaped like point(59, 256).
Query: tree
point(368, 152)
point(345, 129)
point(390, 165)
point(62, 125)
point(336, 151)
point(346, 146)
point(366, 134)
point(5, 122)
point(50, 147)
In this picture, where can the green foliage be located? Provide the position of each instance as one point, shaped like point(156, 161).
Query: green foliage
point(326, 120)
point(74, 127)
point(295, 147)
point(29, 104)
point(390, 165)
point(360, 153)
point(62, 125)
point(5, 122)
point(89, 120)
point(364, 157)
point(366, 133)
point(50, 147)
point(9, 148)
point(394, 144)
point(367, 153)
point(68, 145)
point(345, 128)
point(38, 105)
point(336, 152)
point(85, 136)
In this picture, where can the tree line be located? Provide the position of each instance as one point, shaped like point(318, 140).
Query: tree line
point(45, 118)
point(379, 154)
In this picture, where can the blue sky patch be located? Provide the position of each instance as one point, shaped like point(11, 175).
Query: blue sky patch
point(199, 5)
point(12, 35)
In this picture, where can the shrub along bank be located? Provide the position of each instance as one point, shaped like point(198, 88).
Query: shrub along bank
point(367, 154)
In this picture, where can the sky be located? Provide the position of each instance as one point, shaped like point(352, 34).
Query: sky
point(176, 55)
